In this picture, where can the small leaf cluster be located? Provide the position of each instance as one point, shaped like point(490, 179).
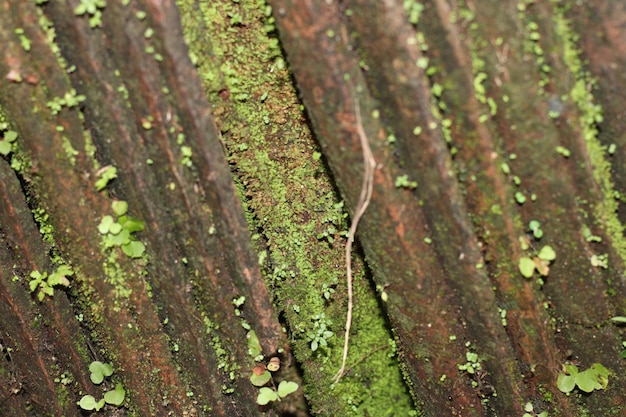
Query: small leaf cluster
point(105, 175)
point(596, 377)
point(261, 375)
point(472, 363)
point(538, 261)
point(120, 233)
point(403, 182)
point(320, 333)
point(334, 223)
point(99, 371)
point(93, 9)
point(267, 395)
point(69, 100)
point(45, 283)
point(6, 144)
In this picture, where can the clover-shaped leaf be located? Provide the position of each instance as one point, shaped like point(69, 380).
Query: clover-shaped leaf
point(116, 396)
point(286, 387)
point(120, 207)
point(601, 375)
point(566, 383)
point(88, 402)
point(134, 249)
point(99, 371)
point(115, 228)
point(105, 224)
point(119, 239)
point(587, 381)
point(266, 395)
point(5, 144)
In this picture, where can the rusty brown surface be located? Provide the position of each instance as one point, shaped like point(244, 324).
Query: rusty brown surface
point(367, 51)
point(445, 252)
point(192, 213)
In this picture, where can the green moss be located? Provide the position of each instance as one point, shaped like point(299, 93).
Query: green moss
point(226, 361)
point(292, 210)
point(590, 115)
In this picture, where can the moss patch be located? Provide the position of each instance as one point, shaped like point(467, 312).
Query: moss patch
point(293, 211)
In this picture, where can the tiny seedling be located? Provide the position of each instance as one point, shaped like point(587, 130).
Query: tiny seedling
point(270, 394)
point(105, 175)
point(6, 144)
point(472, 363)
point(596, 377)
point(320, 334)
point(121, 232)
point(262, 375)
point(403, 182)
point(535, 227)
point(92, 8)
point(529, 409)
point(262, 372)
point(46, 283)
point(540, 262)
point(98, 372)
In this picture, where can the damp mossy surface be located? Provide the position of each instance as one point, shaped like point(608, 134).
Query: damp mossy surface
point(297, 220)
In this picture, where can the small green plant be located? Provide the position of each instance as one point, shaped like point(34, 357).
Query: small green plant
point(6, 144)
point(530, 411)
point(93, 9)
point(334, 223)
point(596, 377)
point(563, 151)
point(403, 182)
point(472, 362)
point(262, 375)
point(327, 291)
point(320, 333)
point(272, 394)
point(69, 100)
point(24, 41)
point(600, 261)
point(535, 227)
point(105, 176)
point(539, 262)
point(121, 232)
point(98, 372)
point(46, 283)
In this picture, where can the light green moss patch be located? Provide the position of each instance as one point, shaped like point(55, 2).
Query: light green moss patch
point(297, 221)
point(590, 115)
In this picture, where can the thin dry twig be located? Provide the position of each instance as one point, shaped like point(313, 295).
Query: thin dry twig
point(369, 164)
